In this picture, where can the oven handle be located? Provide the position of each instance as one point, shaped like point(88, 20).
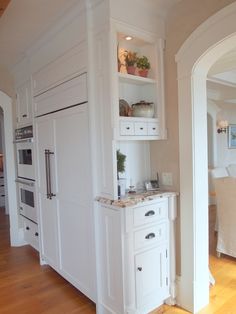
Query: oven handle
point(24, 140)
point(47, 153)
point(24, 182)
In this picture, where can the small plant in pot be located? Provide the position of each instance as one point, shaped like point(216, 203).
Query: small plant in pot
point(131, 59)
point(120, 169)
point(143, 65)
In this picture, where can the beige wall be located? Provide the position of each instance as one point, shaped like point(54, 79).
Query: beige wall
point(182, 20)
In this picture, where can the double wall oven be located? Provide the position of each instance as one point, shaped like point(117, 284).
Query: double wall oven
point(26, 172)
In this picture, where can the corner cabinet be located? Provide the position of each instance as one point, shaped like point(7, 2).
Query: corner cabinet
point(133, 88)
point(135, 256)
point(24, 104)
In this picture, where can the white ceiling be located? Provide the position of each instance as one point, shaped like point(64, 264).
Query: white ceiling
point(222, 80)
point(24, 21)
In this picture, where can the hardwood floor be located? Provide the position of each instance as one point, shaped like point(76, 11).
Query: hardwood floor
point(28, 288)
point(223, 294)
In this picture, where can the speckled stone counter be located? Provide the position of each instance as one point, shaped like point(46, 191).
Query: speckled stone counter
point(135, 198)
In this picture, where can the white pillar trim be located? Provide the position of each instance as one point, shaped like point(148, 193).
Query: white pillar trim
point(16, 234)
point(208, 43)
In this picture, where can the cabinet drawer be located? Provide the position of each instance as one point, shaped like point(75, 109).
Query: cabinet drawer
point(126, 128)
point(31, 233)
point(151, 213)
point(150, 236)
point(140, 128)
point(153, 128)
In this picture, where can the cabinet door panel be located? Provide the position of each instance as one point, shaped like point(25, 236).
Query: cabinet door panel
point(151, 276)
point(47, 207)
point(24, 104)
point(74, 195)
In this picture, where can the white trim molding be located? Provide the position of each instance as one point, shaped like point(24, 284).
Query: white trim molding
point(16, 234)
point(201, 50)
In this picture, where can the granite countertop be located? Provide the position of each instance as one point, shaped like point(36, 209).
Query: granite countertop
point(135, 198)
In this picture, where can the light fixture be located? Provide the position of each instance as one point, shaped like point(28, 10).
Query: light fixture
point(222, 126)
point(128, 37)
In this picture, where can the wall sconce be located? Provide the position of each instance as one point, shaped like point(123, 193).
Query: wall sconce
point(222, 126)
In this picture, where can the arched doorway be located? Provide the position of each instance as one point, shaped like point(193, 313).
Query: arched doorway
point(208, 43)
point(15, 231)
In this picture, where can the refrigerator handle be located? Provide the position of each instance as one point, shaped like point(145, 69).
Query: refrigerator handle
point(47, 153)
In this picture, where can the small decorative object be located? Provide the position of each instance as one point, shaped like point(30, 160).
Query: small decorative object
point(143, 65)
point(131, 59)
point(232, 136)
point(121, 60)
point(124, 108)
point(120, 169)
point(222, 126)
point(143, 109)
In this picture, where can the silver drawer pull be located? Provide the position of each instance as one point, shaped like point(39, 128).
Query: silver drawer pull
point(150, 213)
point(150, 236)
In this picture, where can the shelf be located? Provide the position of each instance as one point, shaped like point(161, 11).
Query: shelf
point(137, 119)
point(135, 79)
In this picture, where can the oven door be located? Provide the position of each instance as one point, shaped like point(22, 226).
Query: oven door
point(26, 195)
point(25, 159)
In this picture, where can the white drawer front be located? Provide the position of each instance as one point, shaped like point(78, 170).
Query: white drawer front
point(31, 233)
point(151, 213)
point(140, 128)
point(126, 128)
point(150, 236)
point(153, 128)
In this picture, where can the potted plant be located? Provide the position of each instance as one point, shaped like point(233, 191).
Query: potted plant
point(120, 169)
point(131, 59)
point(143, 65)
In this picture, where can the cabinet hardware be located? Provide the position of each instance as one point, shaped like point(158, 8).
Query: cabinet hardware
point(127, 128)
point(141, 128)
point(167, 281)
point(150, 213)
point(21, 208)
point(24, 115)
point(36, 234)
point(2, 185)
point(140, 268)
point(150, 236)
point(47, 153)
point(27, 228)
point(154, 129)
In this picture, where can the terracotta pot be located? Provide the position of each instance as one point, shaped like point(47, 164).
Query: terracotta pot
point(143, 72)
point(131, 69)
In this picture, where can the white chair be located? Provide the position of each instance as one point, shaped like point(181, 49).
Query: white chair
point(226, 211)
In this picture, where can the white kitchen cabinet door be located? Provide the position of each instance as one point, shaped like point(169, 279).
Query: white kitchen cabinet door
point(67, 218)
point(151, 276)
point(47, 207)
point(24, 104)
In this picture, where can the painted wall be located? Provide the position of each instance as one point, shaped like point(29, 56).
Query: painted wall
point(181, 21)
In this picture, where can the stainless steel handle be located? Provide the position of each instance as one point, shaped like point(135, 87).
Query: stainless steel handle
point(47, 153)
point(24, 140)
point(24, 182)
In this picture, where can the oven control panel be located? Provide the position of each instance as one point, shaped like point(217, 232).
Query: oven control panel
point(26, 132)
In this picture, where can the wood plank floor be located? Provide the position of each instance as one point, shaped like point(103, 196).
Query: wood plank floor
point(28, 288)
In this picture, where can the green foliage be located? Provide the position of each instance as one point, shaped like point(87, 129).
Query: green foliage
point(131, 58)
point(143, 63)
point(120, 161)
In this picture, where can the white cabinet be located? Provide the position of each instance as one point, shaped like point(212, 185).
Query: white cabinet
point(151, 275)
point(134, 256)
point(2, 190)
point(31, 233)
point(65, 195)
point(24, 104)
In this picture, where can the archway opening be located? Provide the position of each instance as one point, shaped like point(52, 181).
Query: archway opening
point(208, 43)
point(16, 233)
